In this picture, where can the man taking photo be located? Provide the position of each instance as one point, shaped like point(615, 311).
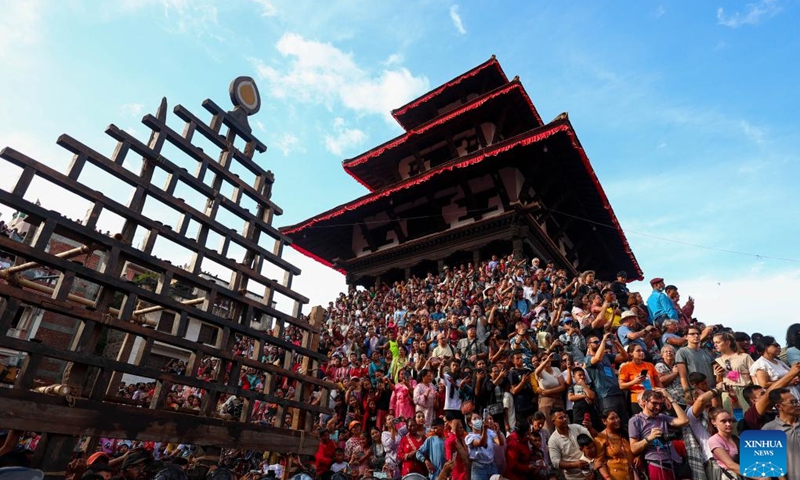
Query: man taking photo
point(652, 431)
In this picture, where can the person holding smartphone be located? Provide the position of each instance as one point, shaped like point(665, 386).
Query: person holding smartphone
point(480, 443)
point(637, 376)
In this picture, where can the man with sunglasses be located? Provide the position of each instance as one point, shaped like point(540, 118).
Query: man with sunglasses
point(599, 366)
point(787, 421)
point(650, 434)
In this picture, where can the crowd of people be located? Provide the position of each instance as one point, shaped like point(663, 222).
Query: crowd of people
point(508, 369)
point(513, 368)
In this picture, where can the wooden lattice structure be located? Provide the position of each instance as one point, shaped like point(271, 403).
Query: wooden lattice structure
point(120, 307)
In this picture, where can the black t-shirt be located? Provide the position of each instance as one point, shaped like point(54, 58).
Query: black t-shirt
point(525, 400)
point(620, 289)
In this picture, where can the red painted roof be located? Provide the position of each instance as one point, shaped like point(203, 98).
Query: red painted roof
point(527, 138)
point(407, 108)
point(511, 87)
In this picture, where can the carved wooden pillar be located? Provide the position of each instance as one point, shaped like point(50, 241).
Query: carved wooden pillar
point(518, 234)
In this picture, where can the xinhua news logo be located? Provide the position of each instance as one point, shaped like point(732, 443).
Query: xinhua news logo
point(762, 453)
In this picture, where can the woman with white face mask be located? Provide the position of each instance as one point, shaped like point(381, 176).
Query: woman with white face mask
point(480, 442)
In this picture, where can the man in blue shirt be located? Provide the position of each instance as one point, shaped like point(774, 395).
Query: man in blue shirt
point(432, 450)
point(659, 305)
point(599, 365)
point(627, 335)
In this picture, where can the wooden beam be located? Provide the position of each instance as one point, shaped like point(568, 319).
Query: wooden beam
point(21, 410)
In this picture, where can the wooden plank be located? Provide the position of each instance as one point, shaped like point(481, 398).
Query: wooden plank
point(155, 227)
point(66, 308)
point(157, 265)
point(82, 360)
point(47, 413)
point(100, 414)
point(115, 283)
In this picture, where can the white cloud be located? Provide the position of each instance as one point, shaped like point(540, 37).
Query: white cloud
point(380, 95)
point(260, 126)
point(456, 18)
point(287, 143)
point(191, 17)
point(267, 8)
point(20, 26)
point(132, 109)
point(754, 14)
point(753, 132)
point(344, 138)
point(320, 73)
point(660, 11)
point(394, 59)
point(719, 300)
point(319, 283)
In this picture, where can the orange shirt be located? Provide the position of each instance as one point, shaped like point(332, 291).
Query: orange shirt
point(628, 371)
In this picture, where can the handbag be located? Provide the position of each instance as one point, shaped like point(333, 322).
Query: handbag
point(467, 407)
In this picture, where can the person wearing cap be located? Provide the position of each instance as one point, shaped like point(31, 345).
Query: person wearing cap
point(354, 448)
point(626, 332)
point(685, 313)
point(133, 467)
point(659, 306)
point(432, 450)
point(620, 288)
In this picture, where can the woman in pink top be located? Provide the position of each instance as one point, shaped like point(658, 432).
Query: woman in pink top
point(402, 404)
point(722, 445)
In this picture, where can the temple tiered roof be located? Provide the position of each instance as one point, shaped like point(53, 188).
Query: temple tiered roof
point(475, 165)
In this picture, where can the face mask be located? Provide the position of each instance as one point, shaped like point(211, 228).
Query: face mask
point(477, 424)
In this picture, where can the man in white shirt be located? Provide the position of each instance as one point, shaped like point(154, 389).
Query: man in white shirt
point(565, 454)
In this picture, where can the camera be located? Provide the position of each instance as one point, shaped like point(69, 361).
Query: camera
point(614, 304)
point(667, 437)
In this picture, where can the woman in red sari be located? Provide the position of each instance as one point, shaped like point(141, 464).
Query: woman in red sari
point(454, 447)
point(407, 451)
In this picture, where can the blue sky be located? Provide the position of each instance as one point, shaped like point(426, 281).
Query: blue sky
point(684, 108)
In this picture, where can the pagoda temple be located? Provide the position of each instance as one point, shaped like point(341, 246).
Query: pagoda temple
point(476, 173)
